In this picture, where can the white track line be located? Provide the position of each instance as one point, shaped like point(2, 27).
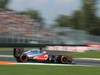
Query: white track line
point(91, 59)
point(7, 56)
point(52, 64)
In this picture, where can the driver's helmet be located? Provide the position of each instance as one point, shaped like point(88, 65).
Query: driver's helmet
point(44, 52)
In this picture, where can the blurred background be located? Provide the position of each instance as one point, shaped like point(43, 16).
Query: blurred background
point(50, 21)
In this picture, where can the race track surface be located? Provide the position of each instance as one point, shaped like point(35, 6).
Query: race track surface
point(4, 56)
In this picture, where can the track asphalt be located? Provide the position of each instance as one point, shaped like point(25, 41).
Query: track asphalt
point(6, 57)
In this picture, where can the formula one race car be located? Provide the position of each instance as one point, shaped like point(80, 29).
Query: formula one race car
point(40, 55)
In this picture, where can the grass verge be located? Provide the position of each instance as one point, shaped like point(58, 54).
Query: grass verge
point(89, 54)
point(10, 49)
point(48, 70)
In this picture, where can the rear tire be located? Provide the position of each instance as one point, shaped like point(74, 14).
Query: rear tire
point(23, 58)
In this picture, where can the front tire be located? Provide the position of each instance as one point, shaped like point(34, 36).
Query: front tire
point(66, 60)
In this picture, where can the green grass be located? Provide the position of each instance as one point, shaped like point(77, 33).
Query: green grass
point(89, 54)
point(3, 49)
point(48, 70)
point(9, 49)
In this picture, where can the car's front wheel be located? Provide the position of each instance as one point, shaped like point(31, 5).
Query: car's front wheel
point(66, 60)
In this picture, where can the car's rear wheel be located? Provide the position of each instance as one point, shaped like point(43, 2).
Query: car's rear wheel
point(23, 58)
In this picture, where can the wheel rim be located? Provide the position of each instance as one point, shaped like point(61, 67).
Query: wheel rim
point(24, 58)
point(65, 59)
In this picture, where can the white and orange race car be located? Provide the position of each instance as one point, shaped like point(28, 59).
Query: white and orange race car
point(40, 55)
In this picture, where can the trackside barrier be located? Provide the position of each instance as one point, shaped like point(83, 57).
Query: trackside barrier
point(73, 48)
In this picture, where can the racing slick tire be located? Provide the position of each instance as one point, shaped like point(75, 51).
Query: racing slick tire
point(23, 58)
point(66, 60)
